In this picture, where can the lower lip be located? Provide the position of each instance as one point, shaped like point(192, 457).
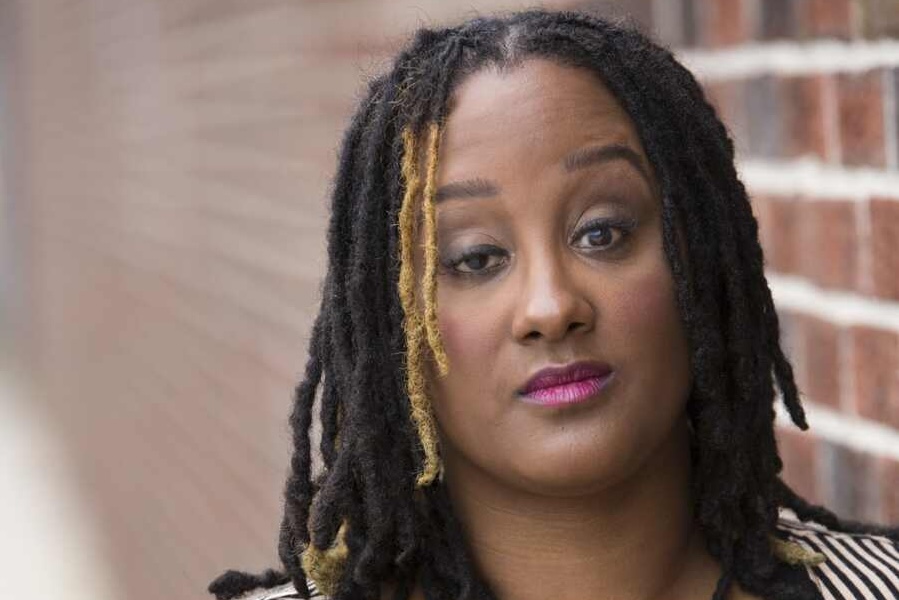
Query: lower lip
point(575, 392)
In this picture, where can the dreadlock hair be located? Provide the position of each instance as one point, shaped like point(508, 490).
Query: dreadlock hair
point(376, 512)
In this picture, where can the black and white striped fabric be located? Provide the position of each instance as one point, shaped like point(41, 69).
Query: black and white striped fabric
point(284, 592)
point(856, 566)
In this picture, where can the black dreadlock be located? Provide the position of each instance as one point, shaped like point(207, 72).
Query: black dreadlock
point(366, 499)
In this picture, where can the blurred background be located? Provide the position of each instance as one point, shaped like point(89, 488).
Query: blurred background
point(164, 172)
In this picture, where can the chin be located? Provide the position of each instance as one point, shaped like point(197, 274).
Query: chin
point(577, 469)
point(574, 473)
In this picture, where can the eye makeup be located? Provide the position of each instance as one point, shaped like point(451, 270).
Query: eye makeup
point(482, 260)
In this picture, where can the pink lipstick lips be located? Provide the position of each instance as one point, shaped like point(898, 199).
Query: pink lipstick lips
point(569, 384)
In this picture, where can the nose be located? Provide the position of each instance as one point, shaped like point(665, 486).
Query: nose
point(550, 304)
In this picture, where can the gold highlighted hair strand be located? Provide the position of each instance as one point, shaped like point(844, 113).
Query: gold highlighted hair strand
point(325, 567)
point(429, 283)
point(794, 554)
point(413, 325)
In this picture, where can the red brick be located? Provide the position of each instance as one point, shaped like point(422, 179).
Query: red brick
point(874, 361)
point(860, 113)
point(829, 243)
point(690, 25)
point(765, 117)
point(884, 247)
point(782, 234)
point(819, 379)
point(799, 451)
point(764, 98)
point(804, 115)
point(723, 22)
point(634, 12)
point(889, 502)
point(728, 98)
point(779, 19)
point(826, 18)
point(850, 482)
point(891, 86)
point(761, 210)
point(880, 18)
point(791, 336)
point(673, 23)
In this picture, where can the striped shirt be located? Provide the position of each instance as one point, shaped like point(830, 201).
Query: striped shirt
point(855, 567)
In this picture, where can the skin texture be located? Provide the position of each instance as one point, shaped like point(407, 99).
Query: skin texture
point(593, 497)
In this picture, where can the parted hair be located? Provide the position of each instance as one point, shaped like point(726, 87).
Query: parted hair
point(378, 512)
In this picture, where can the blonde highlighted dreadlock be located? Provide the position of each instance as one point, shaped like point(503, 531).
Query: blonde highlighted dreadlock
point(416, 326)
point(794, 554)
point(429, 283)
point(325, 567)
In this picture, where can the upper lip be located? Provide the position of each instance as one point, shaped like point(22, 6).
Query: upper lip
point(560, 375)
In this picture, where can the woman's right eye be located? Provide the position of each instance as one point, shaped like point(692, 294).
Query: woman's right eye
point(477, 260)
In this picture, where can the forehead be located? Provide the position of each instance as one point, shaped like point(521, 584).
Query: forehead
point(535, 112)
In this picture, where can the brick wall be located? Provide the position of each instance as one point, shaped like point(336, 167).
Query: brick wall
point(171, 170)
point(808, 91)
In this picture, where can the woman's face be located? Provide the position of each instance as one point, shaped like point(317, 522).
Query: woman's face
point(550, 246)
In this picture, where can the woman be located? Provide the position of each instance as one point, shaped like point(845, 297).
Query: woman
point(546, 351)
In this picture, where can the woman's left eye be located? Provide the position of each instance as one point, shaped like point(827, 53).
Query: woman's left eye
point(602, 234)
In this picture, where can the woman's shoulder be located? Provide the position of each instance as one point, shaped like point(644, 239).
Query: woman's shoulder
point(853, 565)
point(284, 592)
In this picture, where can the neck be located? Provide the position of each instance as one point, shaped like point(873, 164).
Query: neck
point(634, 540)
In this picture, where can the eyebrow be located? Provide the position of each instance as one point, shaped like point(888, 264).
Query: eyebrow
point(592, 155)
point(470, 188)
point(579, 159)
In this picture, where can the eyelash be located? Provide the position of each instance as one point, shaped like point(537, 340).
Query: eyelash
point(624, 226)
point(451, 264)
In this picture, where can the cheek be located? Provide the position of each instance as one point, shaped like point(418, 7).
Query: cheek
point(468, 336)
point(458, 398)
point(648, 305)
point(457, 333)
point(473, 339)
point(647, 315)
